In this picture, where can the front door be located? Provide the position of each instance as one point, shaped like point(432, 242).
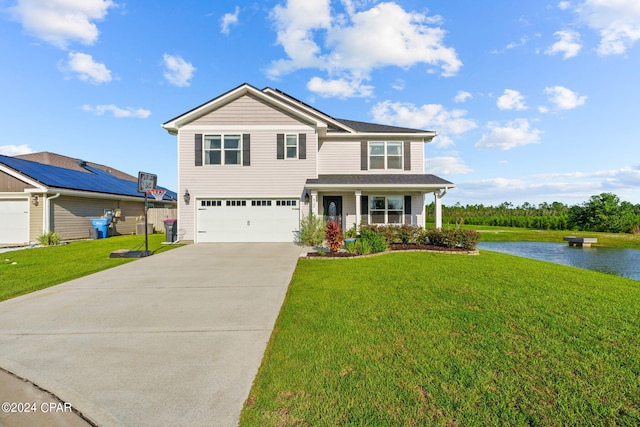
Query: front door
point(332, 208)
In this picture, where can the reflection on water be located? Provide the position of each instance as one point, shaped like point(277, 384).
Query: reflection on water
point(623, 262)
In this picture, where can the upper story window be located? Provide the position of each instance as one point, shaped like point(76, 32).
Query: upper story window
point(291, 146)
point(222, 150)
point(385, 155)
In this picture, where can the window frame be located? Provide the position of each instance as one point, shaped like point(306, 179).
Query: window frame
point(222, 150)
point(386, 209)
point(386, 155)
point(287, 146)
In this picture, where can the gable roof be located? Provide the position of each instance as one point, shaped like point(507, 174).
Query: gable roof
point(92, 179)
point(174, 124)
point(297, 108)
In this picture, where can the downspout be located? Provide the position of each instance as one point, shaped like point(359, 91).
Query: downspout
point(47, 211)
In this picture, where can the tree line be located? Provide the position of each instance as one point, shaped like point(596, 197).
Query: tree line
point(603, 212)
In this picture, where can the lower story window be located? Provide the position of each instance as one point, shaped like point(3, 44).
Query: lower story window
point(386, 209)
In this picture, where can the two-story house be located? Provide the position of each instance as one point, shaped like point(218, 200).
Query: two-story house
point(252, 162)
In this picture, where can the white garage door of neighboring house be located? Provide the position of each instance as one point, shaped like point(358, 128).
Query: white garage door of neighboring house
point(247, 220)
point(14, 221)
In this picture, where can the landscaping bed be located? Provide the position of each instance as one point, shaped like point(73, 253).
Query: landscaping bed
point(393, 247)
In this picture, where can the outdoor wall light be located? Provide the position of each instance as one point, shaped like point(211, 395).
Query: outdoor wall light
point(36, 199)
point(187, 196)
point(306, 197)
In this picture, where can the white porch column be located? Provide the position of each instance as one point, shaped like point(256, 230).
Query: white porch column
point(358, 210)
point(438, 195)
point(314, 202)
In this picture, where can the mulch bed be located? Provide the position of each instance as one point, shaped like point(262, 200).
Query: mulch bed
point(395, 247)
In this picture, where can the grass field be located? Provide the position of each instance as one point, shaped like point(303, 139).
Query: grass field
point(39, 268)
point(413, 339)
point(512, 234)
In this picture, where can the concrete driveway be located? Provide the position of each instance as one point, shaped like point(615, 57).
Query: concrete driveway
point(174, 339)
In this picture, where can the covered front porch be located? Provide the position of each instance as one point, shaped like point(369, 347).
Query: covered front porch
point(352, 200)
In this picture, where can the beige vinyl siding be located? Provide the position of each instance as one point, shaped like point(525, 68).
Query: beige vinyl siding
point(71, 216)
point(266, 177)
point(343, 157)
point(130, 214)
point(10, 184)
point(36, 218)
point(246, 110)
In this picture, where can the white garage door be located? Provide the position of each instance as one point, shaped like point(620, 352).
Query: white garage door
point(14, 221)
point(247, 220)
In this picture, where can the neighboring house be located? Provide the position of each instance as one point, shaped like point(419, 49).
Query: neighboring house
point(251, 162)
point(43, 192)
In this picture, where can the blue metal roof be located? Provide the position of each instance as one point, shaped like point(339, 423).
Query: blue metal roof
point(94, 180)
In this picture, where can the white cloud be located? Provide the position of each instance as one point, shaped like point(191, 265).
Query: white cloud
point(462, 96)
point(448, 123)
point(87, 69)
point(564, 98)
point(119, 113)
point(398, 84)
point(358, 42)
point(446, 165)
point(568, 44)
point(568, 187)
point(15, 150)
point(179, 72)
point(511, 100)
point(564, 5)
point(515, 134)
point(60, 22)
point(340, 88)
point(228, 20)
point(617, 22)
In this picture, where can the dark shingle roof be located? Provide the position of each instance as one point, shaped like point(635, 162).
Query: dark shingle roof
point(379, 179)
point(374, 127)
point(97, 180)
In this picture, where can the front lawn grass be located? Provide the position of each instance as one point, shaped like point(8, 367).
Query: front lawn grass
point(39, 268)
point(413, 339)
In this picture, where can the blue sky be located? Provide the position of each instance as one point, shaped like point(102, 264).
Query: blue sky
point(533, 101)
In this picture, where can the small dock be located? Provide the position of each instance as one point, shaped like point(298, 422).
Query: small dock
point(581, 242)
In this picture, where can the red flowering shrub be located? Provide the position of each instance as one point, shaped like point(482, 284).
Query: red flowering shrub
point(333, 235)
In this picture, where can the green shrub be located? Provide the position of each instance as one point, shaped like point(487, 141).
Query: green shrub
point(375, 241)
point(435, 236)
point(333, 235)
point(362, 247)
point(49, 239)
point(453, 238)
point(312, 231)
point(350, 247)
point(351, 233)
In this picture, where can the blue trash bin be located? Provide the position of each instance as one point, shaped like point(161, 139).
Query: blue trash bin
point(102, 225)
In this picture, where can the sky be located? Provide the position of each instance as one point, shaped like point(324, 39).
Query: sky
point(533, 101)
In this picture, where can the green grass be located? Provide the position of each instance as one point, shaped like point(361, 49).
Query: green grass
point(39, 268)
point(412, 339)
point(513, 234)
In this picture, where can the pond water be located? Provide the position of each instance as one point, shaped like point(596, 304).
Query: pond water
point(622, 262)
